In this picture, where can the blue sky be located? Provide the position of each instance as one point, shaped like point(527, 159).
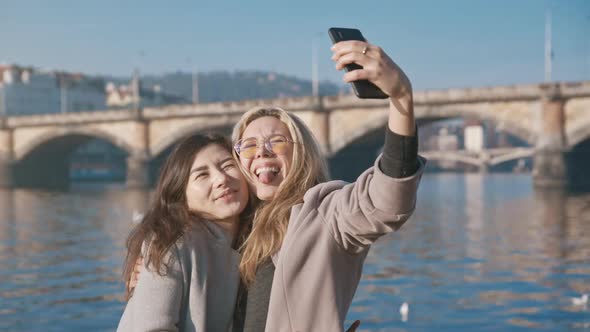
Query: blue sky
point(440, 44)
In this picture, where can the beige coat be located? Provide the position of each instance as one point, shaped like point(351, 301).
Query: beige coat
point(198, 293)
point(320, 262)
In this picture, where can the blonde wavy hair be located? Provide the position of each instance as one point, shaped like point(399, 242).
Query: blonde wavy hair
point(308, 168)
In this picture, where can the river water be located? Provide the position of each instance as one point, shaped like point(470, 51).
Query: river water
point(481, 253)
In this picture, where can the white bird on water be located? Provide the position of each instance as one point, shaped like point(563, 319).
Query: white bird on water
point(580, 301)
point(404, 309)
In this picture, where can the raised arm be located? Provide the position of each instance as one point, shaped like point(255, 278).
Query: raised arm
point(400, 158)
point(385, 74)
point(383, 197)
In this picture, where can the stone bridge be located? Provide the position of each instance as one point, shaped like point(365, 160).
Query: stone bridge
point(483, 159)
point(553, 118)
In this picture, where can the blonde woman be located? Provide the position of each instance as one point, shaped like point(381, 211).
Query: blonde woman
point(303, 259)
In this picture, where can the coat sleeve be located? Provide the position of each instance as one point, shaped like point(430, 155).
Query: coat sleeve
point(357, 214)
point(156, 301)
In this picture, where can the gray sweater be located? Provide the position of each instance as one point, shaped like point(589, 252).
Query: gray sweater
point(197, 294)
point(320, 262)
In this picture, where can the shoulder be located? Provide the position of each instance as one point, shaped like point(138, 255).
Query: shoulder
point(204, 238)
point(183, 245)
point(190, 240)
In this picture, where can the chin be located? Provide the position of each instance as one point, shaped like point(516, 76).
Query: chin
point(266, 194)
point(227, 215)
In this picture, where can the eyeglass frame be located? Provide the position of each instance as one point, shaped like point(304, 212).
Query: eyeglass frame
point(265, 142)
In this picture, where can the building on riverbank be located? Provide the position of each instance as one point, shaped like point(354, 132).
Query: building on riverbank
point(30, 91)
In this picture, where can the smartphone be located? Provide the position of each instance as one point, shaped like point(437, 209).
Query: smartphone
point(362, 88)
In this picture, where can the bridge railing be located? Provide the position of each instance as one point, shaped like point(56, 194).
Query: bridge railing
point(310, 103)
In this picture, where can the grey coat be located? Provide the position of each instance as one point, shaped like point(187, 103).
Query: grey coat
point(197, 294)
point(320, 261)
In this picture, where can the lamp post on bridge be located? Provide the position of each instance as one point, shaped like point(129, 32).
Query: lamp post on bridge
point(136, 87)
point(550, 169)
point(315, 86)
point(548, 48)
point(195, 86)
point(3, 112)
point(588, 46)
point(194, 81)
point(321, 127)
point(63, 93)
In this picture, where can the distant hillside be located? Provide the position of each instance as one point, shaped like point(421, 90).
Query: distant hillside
point(231, 86)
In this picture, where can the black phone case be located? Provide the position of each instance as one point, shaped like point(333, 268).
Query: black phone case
point(362, 88)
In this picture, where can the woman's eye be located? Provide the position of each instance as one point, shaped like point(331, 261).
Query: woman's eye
point(249, 144)
point(200, 176)
point(278, 139)
point(228, 166)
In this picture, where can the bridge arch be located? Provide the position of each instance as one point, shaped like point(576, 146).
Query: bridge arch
point(509, 120)
point(368, 129)
point(578, 161)
point(349, 161)
point(46, 161)
point(184, 128)
point(51, 136)
point(579, 132)
point(504, 122)
point(577, 123)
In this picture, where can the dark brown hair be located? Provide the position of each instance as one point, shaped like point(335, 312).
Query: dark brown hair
point(168, 216)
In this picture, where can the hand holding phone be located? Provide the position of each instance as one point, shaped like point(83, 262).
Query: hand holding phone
point(362, 88)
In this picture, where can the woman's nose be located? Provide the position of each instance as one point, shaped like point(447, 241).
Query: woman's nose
point(262, 151)
point(221, 178)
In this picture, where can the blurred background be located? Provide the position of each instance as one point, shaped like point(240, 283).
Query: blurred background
point(93, 96)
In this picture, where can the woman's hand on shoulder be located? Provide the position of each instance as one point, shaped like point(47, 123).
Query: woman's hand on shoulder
point(132, 283)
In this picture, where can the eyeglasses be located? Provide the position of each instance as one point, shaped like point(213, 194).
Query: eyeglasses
point(277, 144)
